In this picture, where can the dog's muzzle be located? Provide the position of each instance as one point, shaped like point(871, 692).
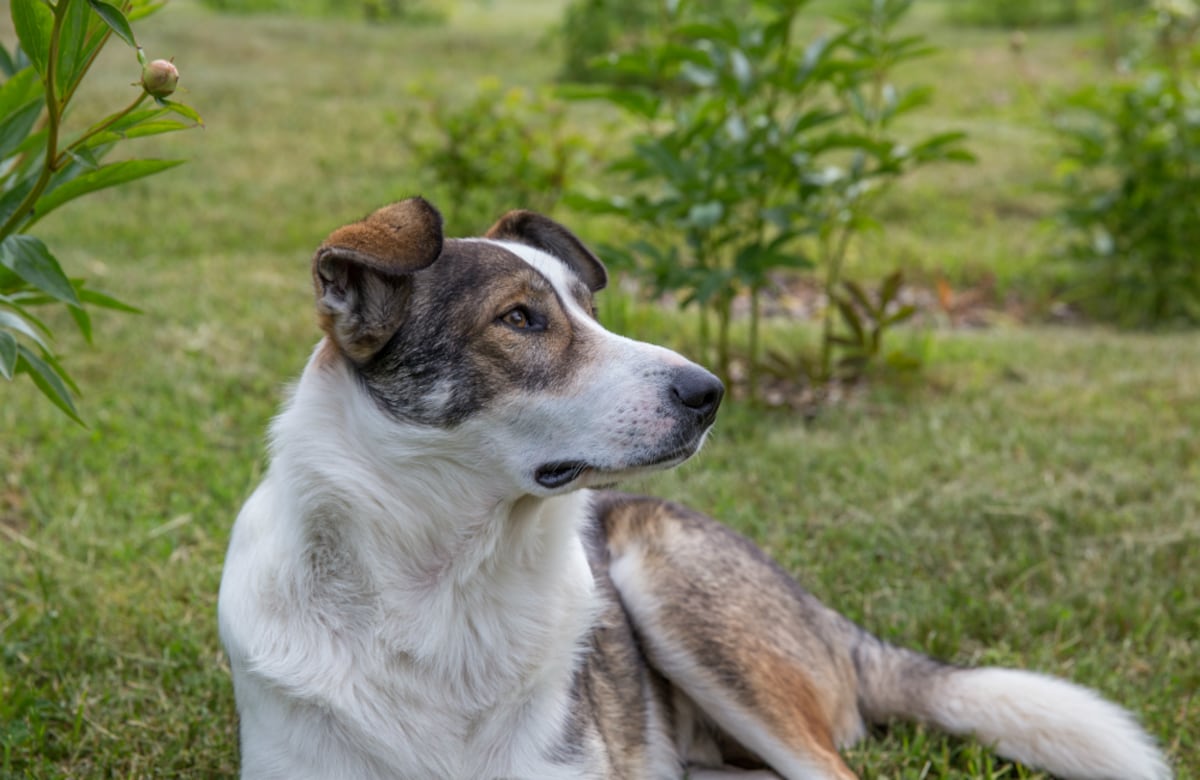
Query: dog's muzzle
point(691, 398)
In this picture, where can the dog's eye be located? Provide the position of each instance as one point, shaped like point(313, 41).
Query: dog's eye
point(517, 317)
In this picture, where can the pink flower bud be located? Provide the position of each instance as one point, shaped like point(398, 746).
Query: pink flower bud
point(159, 78)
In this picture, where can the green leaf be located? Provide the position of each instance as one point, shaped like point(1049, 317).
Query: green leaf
point(33, 21)
point(641, 102)
point(15, 322)
point(84, 157)
point(890, 288)
point(15, 126)
point(19, 89)
point(903, 314)
point(116, 20)
point(72, 45)
point(859, 295)
point(28, 258)
point(49, 380)
point(179, 108)
point(140, 9)
point(8, 355)
point(83, 321)
point(705, 215)
point(7, 66)
point(851, 318)
point(144, 130)
point(106, 176)
point(100, 300)
point(943, 146)
point(120, 121)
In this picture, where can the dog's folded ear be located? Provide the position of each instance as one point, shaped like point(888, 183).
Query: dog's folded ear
point(361, 273)
point(541, 232)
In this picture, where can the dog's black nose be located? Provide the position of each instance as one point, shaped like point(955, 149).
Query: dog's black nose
point(698, 391)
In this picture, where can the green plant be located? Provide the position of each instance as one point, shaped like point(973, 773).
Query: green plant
point(592, 31)
point(757, 155)
point(503, 148)
point(45, 165)
point(1131, 159)
point(867, 318)
point(872, 106)
point(591, 28)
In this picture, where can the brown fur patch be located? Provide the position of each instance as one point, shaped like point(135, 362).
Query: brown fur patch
point(399, 238)
point(792, 708)
point(360, 273)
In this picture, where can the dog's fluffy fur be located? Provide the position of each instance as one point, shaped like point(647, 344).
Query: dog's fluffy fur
point(427, 585)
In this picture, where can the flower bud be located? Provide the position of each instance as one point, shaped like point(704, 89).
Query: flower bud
point(159, 78)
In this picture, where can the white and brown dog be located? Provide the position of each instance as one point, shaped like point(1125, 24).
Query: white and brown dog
point(423, 586)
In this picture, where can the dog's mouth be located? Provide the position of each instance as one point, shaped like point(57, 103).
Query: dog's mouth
point(555, 475)
point(559, 474)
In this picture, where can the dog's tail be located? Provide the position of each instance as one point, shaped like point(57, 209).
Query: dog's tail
point(1036, 719)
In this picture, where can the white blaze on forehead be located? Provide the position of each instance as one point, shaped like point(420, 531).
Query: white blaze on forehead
point(562, 279)
point(554, 270)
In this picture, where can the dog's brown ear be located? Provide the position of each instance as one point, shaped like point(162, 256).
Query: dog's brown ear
point(541, 232)
point(361, 273)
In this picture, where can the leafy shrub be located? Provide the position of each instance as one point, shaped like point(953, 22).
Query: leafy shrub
point(43, 165)
point(595, 29)
point(1131, 153)
point(503, 148)
point(756, 154)
point(591, 28)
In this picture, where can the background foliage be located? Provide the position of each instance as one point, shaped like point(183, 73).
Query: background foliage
point(759, 153)
point(1131, 159)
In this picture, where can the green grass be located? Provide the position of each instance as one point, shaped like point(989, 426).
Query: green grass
point(1036, 504)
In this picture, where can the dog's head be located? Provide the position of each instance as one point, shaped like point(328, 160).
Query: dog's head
point(495, 340)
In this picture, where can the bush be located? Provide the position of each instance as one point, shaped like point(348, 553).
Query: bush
point(503, 148)
point(757, 154)
point(593, 30)
point(1131, 153)
point(45, 165)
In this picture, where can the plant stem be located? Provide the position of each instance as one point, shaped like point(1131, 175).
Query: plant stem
point(724, 315)
point(834, 257)
point(752, 368)
point(60, 161)
point(53, 117)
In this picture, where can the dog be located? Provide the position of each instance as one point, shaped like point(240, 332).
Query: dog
point(435, 580)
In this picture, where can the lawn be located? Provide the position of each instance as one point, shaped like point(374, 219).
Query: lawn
point(1034, 502)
